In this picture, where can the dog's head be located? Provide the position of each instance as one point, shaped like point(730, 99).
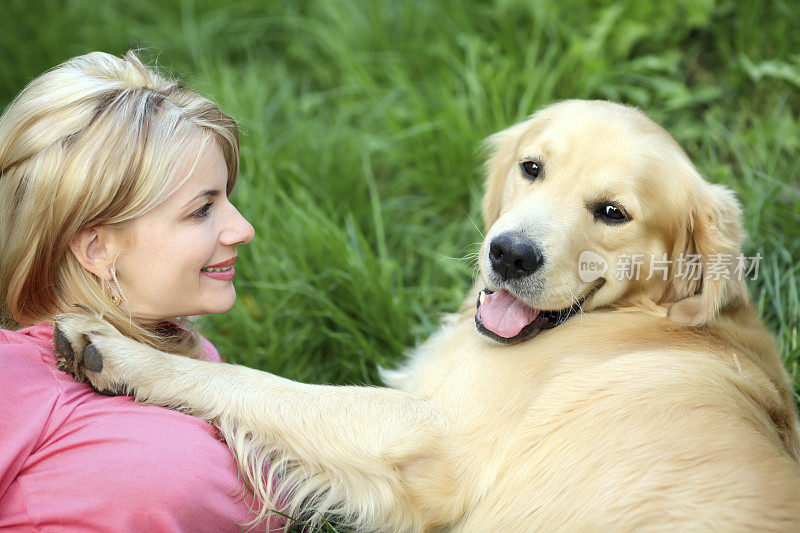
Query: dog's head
point(592, 204)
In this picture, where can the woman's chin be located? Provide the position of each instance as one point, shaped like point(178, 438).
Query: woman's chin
point(220, 303)
point(206, 303)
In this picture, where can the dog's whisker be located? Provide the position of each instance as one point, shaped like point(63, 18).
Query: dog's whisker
point(470, 257)
point(453, 258)
point(575, 301)
point(474, 224)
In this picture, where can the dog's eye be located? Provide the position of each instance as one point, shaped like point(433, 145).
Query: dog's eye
point(610, 214)
point(531, 169)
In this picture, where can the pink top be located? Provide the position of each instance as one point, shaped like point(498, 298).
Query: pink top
point(74, 460)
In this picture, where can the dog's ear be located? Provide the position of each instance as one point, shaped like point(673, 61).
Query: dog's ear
point(502, 148)
point(711, 237)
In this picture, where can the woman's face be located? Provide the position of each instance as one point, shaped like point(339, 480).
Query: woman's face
point(181, 259)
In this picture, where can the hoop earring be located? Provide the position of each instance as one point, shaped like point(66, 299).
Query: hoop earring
point(116, 298)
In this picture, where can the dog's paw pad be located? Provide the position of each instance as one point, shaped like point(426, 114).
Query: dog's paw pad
point(63, 345)
point(92, 360)
point(66, 355)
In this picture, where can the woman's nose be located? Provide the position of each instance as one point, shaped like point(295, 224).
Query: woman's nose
point(237, 229)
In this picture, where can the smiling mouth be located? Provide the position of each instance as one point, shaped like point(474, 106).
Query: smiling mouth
point(224, 271)
point(508, 320)
point(221, 267)
point(216, 269)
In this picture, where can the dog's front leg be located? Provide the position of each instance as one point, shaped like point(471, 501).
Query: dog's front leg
point(371, 458)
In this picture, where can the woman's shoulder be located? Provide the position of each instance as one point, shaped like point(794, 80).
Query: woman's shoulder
point(30, 393)
point(127, 456)
point(57, 433)
point(38, 335)
point(28, 362)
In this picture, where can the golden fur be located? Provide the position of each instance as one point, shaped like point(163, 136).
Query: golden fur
point(661, 405)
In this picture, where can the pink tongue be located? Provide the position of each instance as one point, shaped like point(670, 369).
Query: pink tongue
point(504, 315)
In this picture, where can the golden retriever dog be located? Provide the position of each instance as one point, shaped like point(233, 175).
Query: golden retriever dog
point(587, 391)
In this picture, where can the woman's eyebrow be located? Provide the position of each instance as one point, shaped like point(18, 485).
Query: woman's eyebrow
point(210, 192)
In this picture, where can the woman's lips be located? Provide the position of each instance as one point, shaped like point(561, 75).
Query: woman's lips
point(227, 263)
point(224, 275)
point(222, 271)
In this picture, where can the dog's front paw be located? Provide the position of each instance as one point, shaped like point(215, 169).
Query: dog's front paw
point(88, 348)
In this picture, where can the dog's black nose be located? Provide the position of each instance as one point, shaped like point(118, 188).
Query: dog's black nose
point(513, 256)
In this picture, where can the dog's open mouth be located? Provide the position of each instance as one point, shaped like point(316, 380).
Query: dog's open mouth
point(504, 318)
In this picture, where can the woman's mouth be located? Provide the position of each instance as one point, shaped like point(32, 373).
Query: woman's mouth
point(222, 271)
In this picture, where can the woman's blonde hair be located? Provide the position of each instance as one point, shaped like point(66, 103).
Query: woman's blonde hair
point(96, 141)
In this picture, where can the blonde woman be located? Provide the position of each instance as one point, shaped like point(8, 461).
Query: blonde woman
point(114, 186)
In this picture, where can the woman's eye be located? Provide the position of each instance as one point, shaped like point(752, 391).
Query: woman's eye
point(203, 211)
point(531, 169)
point(610, 214)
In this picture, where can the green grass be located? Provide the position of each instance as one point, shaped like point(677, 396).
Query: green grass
point(361, 122)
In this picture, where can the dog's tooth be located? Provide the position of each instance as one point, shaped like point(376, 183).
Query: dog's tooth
point(481, 297)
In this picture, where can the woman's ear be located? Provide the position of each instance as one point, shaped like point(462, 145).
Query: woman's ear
point(712, 236)
point(94, 249)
